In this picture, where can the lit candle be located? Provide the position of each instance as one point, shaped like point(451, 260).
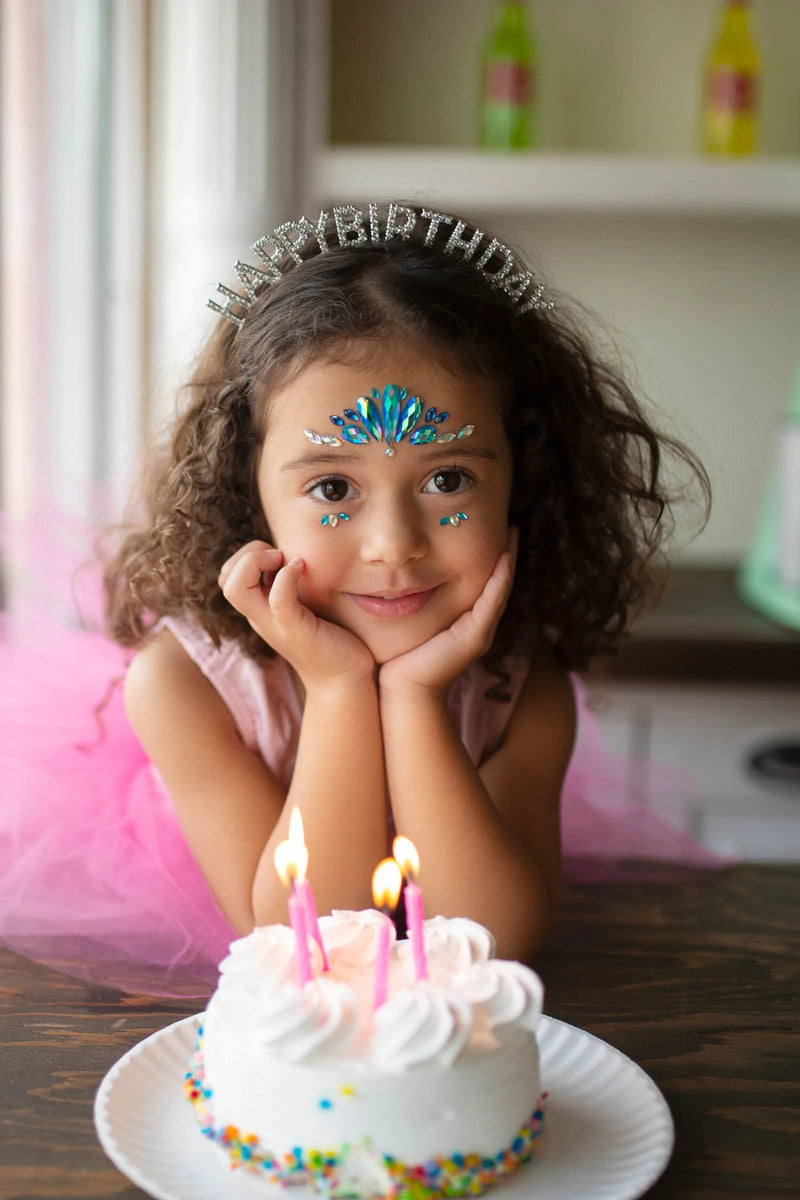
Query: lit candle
point(386, 884)
point(302, 885)
point(406, 854)
point(289, 870)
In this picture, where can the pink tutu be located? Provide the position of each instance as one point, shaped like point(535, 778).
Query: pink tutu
point(96, 878)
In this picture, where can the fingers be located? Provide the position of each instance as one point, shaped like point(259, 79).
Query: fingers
point(283, 600)
point(267, 556)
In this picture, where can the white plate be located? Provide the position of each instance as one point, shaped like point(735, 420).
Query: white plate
point(608, 1130)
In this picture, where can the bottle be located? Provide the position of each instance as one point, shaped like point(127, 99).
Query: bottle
point(508, 80)
point(731, 85)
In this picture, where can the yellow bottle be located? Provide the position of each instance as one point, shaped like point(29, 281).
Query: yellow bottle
point(731, 85)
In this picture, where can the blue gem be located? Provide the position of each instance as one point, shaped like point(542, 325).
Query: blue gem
point(420, 436)
point(368, 411)
point(430, 414)
point(390, 401)
point(408, 416)
point(441, 417)
point(351, 415)
point(337, 420)
point(355, 435)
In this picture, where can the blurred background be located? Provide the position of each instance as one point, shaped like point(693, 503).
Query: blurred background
point(146, 144)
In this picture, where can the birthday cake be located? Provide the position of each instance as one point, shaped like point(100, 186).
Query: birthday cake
point(434, 1091)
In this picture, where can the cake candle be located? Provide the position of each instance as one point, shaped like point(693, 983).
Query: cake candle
point(386, 883)
point(302, 885)
point(290, 863)
point(297, 919)
point(405, 852)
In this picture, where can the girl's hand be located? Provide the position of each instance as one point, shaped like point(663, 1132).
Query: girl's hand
point(437, 662)
point(262, 586)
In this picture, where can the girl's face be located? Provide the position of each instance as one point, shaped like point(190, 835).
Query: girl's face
point(392, 573)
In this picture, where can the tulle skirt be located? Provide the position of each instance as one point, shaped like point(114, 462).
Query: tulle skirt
point(96, 878)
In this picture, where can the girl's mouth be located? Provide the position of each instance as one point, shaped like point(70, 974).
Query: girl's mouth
point(406, 605)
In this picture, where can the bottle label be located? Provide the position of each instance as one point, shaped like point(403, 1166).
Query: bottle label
point(732, 91)
point(508, 82)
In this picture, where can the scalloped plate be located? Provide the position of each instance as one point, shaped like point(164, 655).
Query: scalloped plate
point(608, 1130)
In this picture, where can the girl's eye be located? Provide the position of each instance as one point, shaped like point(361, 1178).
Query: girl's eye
point(332, 490)
point(448, 481)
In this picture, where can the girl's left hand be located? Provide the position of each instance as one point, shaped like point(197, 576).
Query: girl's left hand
point(437, 662)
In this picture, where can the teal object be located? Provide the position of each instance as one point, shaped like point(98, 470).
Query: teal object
point(758, 580)
point(390, 416)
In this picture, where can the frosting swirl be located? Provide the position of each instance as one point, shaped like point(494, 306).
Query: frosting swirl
point(314, 1022)
point(351, 938)
point(452, 944)
point(422, 1024)
point(503, 994)
point(266, 954)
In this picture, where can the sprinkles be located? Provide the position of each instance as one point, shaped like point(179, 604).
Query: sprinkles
point(321, 1169)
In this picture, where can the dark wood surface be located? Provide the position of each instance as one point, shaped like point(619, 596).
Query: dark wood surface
point(697, 980)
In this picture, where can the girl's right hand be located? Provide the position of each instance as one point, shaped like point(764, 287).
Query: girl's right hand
point(263, 587)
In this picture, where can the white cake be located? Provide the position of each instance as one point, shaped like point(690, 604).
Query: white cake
point(435, 1093)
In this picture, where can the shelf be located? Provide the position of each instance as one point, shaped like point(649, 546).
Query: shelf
point(701, 629)
point(499, 183)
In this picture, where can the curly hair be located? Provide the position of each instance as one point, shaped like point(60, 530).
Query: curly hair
point(588, 491)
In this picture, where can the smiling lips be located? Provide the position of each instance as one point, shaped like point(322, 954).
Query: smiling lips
point(399, 604)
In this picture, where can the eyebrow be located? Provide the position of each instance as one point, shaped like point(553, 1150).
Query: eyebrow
point(319, 457)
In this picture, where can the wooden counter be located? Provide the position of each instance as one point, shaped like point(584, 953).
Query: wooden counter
point(698, 981)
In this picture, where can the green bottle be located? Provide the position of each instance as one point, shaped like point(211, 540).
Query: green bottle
point(508, 80)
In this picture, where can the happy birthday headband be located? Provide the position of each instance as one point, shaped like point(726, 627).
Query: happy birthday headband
point(353, 228)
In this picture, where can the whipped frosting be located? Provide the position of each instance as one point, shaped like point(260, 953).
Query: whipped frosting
point(438, 1021)
point(423, 1024)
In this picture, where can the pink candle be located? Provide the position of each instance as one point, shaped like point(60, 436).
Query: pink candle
point(382, 962)
point(412, 894)
point(297, 917)
point(312, 924)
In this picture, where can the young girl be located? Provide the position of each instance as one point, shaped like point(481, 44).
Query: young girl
point(406, 498)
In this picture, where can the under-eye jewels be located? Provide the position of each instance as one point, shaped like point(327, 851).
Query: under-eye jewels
point(455, 519)
point(333, 519)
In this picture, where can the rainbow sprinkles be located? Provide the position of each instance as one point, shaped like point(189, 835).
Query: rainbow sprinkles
point(326, 1170)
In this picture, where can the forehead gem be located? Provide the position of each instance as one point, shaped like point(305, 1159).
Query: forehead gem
point(390, 416)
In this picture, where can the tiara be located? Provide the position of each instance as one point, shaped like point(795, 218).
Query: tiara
point(353, 227)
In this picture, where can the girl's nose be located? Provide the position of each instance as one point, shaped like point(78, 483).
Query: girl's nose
point(393, 533)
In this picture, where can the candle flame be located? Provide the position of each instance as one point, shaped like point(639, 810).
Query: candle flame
point(405, 853)
point(291, 856)
point(386, 884)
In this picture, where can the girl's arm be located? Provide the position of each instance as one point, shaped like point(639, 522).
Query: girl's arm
point(231, 809)
point(488, 841)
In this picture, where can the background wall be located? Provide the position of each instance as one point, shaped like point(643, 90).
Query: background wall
point(707, 309)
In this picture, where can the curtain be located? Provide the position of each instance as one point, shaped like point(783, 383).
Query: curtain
point(145, 145)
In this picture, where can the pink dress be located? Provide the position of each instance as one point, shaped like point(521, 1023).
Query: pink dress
point(96, 878)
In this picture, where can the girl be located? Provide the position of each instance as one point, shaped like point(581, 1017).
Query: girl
point(405, 500)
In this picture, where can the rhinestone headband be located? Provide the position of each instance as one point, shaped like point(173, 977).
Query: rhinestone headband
point(354, 227)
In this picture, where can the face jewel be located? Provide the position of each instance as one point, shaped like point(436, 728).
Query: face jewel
point(390, 416)
point(455, 519)
point(333, 519)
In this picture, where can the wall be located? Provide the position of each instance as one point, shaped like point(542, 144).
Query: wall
point(707, 309)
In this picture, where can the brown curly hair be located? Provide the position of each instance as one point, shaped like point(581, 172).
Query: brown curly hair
point(588, 491)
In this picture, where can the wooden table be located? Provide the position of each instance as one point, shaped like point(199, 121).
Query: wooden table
point(698, 981)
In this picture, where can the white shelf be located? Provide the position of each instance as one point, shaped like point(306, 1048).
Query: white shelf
point(521, 182)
